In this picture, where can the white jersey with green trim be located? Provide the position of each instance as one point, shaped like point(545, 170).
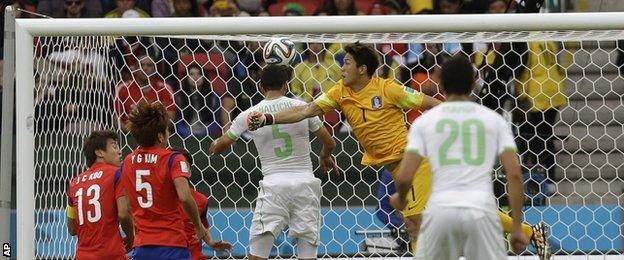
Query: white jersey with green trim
point(283, 148)
point(462, 141)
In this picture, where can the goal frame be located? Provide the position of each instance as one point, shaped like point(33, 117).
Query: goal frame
point(26, 29)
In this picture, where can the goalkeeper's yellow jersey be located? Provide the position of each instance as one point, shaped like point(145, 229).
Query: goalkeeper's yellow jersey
point(375, 114)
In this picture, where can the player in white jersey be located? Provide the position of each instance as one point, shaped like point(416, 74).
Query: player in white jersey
point(289, 193)
point(462, 140)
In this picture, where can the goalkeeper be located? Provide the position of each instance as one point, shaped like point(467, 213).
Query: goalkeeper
point(374, 108)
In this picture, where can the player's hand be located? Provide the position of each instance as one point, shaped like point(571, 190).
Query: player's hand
point(328, 164)
point(396, 202)
point(128, 242)
point(518, 241)
point(255, 120)
point(219, 245)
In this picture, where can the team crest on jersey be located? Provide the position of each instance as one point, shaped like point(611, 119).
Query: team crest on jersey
point(184, 167)
point(376, 102)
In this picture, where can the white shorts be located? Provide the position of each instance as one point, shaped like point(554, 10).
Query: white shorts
point(448, 233)
point(295, 202)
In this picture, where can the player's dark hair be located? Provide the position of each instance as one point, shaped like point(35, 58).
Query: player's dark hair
point(97, 140)
point(364, 55)
point(457, 76)
point(185, 153)
point(146, 121)
point(273, 76)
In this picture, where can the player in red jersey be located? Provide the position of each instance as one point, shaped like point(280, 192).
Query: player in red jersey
point(97, 205)
point(156, 181)
point(202, 205)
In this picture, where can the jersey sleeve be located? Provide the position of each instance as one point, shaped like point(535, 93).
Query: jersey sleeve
point(179, 167)
point(505, 137)
point(329, 100)
point(314, 123)
point(118, 185)
point(415, 142)
point(403, 97)
point(238, 127)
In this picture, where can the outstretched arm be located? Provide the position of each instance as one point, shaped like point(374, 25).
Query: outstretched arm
point(258, 119)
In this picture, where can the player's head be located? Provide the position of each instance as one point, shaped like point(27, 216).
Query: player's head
point(457, 76)
point(185, 153)
point(149, 124)
point(360, 61)
point(275, 77)
point(101, 146)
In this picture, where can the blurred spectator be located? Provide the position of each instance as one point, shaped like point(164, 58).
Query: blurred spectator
point(225, 8)
point(340, 7)
point(70, 8)
point(497, 63)
point(177, 8)
point(70, 104)
point(541, 92)
point(203, 111)
point(449, 6)
point(316, 74)
point(144, 85)
point(293, 9)
point(127, 9)
point(393, 7)
point(252, 7)
point(247, 72)
point(420, 6)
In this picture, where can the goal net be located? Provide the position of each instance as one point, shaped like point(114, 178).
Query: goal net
point(560, 90)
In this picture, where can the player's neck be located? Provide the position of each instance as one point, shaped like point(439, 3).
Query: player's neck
point(273, 94)
point(360, 84)
point(456, 98)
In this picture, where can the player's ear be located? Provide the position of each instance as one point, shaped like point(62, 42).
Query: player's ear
point(362, 70)
point(99, 153)
point(261, 88)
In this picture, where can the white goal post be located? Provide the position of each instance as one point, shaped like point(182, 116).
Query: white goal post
point(407, 28)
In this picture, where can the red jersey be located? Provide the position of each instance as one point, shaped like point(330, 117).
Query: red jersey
point(129, 93)
point(195, 246)
point(147, 176)
point(94, 194)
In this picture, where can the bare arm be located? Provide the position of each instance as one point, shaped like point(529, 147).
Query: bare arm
point(429, 102)
point(326, 160)
point(297, 113)
point(221, 144)
point(258, 119)
point(188, 204)
point(515, 191)
point(125, 219)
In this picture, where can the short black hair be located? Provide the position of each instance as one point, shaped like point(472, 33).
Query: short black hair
point(364, 55)
point(273, 76)
point(97, 141)
point(457, 75)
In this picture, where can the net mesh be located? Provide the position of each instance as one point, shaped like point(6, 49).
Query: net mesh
point(562, 91)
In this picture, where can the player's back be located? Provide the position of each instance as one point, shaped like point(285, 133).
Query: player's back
point(93, 194)
point(148, 174)
point(284, 148)
point(463, 140)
